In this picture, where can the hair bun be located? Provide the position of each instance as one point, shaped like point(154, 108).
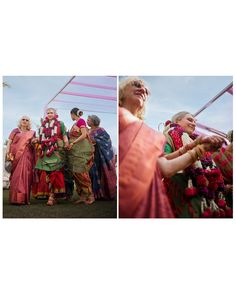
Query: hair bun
point(79, 113)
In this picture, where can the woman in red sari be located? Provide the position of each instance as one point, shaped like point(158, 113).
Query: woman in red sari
point(141, 161)
point(20, 152)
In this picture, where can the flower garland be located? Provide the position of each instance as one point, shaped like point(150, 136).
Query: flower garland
point(206, 181)
point(48, 134)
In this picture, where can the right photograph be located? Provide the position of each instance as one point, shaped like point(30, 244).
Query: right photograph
point(176, 147)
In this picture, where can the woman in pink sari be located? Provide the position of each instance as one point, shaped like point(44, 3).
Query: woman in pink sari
point(141, 162)
point(20, 152)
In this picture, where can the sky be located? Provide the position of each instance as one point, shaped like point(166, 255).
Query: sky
point(29, 95)
point(171, 94)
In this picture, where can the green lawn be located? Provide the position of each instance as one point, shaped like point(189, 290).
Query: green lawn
point(64, 209)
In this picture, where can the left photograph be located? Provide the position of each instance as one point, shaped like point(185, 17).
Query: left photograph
point(60, 147)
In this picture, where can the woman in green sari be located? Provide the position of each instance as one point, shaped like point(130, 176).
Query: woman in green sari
point(49, 179)
point(80, 157)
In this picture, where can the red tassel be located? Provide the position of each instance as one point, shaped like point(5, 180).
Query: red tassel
point(190, 191)
point(221, 203)
point(207, 213)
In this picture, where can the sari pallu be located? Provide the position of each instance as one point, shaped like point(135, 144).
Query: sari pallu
point(141, 190)
point(103, 172)
point(22, 166)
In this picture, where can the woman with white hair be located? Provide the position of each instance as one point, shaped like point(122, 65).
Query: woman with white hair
point(103, 172)
point(20, 152)
point(52, 140)
point(198, 190)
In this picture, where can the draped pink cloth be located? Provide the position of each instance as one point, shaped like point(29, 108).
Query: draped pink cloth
point(141, 190)
point(22, 166)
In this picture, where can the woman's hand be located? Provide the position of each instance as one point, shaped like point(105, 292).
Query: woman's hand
point(211, 143)
point(66, 145)
point(9, 156)
point(34, 140)
point(70, 146)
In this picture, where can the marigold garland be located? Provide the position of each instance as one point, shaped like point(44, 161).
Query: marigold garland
point(48, 134)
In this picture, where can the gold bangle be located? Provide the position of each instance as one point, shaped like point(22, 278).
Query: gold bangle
point(181, 151)
point(200, 150)
point(193, 154)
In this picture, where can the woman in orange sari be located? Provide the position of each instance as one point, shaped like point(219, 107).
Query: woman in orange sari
point(20, 152)
point(141, 161)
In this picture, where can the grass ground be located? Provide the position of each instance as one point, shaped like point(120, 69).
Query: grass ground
point(64, 209)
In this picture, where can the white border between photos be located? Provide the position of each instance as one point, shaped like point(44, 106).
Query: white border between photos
point(123, 38)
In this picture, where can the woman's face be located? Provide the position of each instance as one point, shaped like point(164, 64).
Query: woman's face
point(24, 122)
point(50, 114)
point(73, 116)
point(89, 122)
point(188, 123)
point(135, 95)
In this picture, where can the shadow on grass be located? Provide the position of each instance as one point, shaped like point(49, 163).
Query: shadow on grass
point(63, 209)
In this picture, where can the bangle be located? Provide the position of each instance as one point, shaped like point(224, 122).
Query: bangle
point(184, 149)
point(200, 150)
point(193, 154)
point(181, 151)
point(197, 152)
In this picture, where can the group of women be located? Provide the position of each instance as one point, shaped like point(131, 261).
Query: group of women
point(171, 174)
point(50, 162)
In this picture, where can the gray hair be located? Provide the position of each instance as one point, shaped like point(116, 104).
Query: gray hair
point(95, 119)
point(51, 108)
point(27, 117)
point(178, 116)
point(122, 86)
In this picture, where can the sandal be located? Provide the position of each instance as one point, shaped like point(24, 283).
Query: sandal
point(51, 201)
point(89, 201)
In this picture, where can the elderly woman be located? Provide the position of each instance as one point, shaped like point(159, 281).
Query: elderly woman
point(20, 152)
point(141, 164)
point(198, 190)
point(80, 157)
point(103, 172)
point(50, 162)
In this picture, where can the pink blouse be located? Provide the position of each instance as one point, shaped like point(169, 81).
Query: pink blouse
point(81, 123)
